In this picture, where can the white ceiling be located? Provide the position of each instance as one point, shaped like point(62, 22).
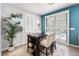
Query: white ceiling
point(42, 8)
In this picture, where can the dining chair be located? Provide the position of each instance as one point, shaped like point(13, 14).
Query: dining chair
point(48, 44)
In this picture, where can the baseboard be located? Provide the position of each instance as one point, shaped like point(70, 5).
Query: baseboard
point(62, 43)
point(74, 45)
point(14, 46)
point(4, 49)
point(20, 44)
point(69, 45)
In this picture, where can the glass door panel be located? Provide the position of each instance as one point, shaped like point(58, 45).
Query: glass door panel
point(58, 25)
point(61, 22)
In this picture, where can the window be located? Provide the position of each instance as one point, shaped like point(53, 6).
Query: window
point(32, 23)
point(50, 24)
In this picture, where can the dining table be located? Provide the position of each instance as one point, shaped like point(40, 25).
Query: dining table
point(36, 38)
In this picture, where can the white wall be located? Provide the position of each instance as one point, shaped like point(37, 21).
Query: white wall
point(6, 10)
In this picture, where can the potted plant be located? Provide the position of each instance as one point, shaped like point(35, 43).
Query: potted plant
point(10, 30)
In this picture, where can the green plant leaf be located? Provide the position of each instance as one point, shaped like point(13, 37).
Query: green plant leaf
point(11, 30)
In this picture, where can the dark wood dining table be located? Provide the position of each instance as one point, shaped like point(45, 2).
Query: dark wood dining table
point(37, 37)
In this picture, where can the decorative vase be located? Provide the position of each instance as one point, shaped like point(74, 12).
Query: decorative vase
point(11, 48)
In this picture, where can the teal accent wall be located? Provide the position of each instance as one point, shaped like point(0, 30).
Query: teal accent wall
point(73, 19)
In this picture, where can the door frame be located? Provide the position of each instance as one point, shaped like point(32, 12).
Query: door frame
point(66, 11)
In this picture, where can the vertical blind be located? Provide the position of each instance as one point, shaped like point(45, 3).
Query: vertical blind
point(32, 23)
point(57, 23)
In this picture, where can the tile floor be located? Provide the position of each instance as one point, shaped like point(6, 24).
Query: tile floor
point(61, 50)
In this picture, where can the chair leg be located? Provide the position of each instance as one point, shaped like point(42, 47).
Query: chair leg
point(55, 44)
point(51, 49)
point(46, 52)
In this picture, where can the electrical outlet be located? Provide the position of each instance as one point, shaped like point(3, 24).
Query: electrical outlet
point(72, 28)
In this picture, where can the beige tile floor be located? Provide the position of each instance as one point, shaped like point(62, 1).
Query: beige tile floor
point(61, 50)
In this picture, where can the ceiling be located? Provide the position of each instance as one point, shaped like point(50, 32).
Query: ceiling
point(42, 8)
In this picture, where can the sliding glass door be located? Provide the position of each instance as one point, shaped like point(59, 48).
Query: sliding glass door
point(61, 28)
point(58, 24)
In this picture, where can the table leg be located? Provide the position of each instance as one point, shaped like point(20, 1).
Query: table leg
point(28, 44)
point(37, 47)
